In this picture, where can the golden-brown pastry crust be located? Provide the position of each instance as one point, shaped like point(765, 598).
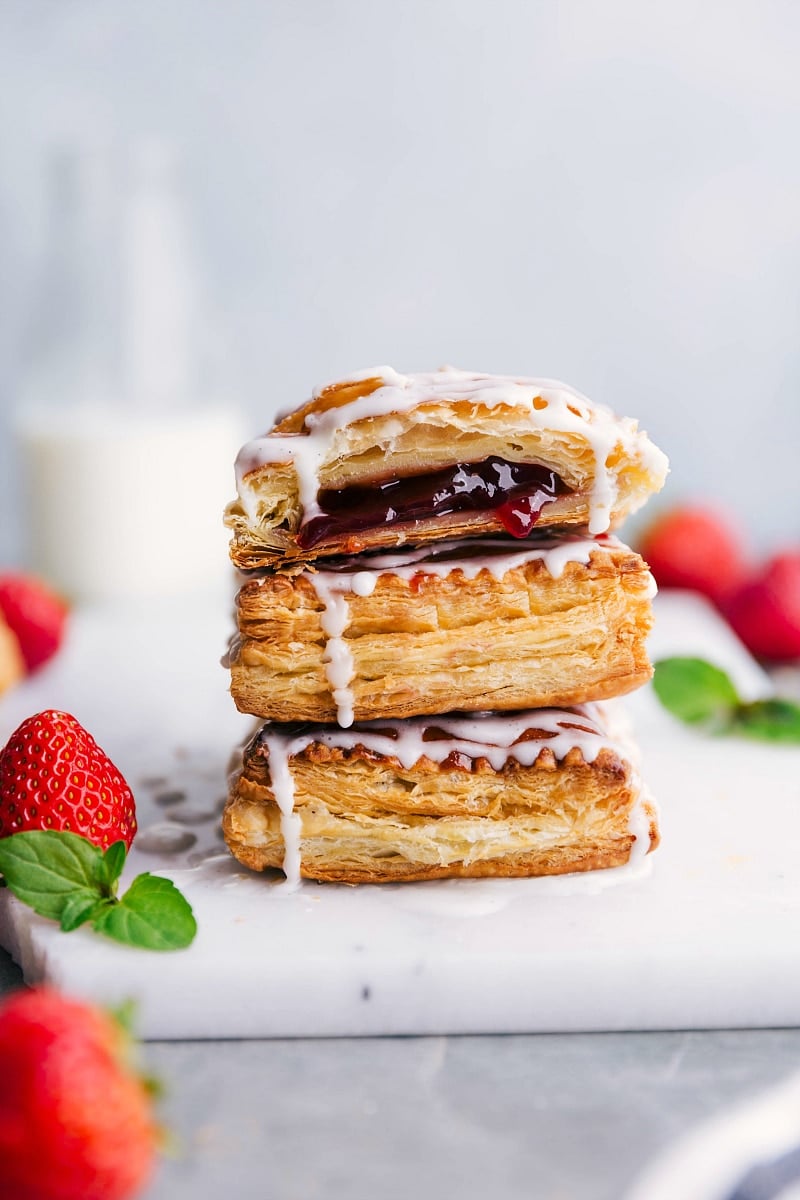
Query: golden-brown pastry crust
point(12, 665)
point(366, 818)
point(427, 437)
point(276, 545)
point(429, 644)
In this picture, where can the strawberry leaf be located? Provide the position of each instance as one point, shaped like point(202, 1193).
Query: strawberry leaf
point(152, 914)
point(45, 868)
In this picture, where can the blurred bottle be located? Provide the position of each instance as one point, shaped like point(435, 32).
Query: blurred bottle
point(127, 464)
point(160, 368)
point(70, 354)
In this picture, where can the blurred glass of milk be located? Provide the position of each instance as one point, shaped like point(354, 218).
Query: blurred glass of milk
point(126, 458)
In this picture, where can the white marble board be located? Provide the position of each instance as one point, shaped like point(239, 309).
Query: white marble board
point(708, 938)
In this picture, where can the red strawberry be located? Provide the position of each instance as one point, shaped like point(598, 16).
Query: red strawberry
point(765, 611)
point(35, 614)
point(53, 775)
point(76, 1123)
point(694, 548)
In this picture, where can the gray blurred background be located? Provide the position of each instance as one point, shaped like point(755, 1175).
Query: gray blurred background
point(607, 193)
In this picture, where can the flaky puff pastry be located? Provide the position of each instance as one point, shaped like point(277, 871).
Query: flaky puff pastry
point(12, 664)
point(359, 808)
point(511, 626)
point(380, 426)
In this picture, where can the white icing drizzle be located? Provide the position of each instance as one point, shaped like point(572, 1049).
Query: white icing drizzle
point(652, 587)
point(352, 576)
point(618, 725)
point(546, 403)
point(497, 555)
point(480, 735)
point(339, 667)
point(639, 824)
point(283, 791)
point(363, 582)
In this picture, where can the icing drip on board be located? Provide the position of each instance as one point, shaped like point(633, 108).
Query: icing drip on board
point(546, 403)
point(484, 735)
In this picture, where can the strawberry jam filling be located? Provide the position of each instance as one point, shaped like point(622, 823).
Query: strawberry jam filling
point(514, 492)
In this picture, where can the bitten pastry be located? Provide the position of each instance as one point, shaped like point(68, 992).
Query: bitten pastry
point(468, 625)
point(542, 792)
point(382, 459)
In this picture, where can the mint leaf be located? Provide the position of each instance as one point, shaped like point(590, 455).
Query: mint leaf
point(44, 868)
point(698, 692)
point(125, 1015)
point(82, 906)
point(770, 721)
point(152, 914)
point(695, 691)
point(113, 862)
point(65, 877)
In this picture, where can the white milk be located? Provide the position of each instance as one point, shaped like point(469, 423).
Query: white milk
point(123, 444)
point(127, 505)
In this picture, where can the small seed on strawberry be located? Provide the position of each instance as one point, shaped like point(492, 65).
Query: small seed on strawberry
point(54, 775)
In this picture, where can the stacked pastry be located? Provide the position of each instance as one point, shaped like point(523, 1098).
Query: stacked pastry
point(435, 605)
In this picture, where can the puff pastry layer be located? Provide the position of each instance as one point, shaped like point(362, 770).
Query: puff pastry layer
point(561, 798)
point(379, 426)
point(502, 629)
point(12, 665)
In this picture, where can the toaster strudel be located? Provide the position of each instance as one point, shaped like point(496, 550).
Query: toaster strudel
point(468, 625)
point(542, 792)
point(382, 459)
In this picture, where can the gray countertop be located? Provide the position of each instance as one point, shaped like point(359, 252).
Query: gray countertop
point(544, 1117)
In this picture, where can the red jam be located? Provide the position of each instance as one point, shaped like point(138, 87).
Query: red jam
point(515, 492)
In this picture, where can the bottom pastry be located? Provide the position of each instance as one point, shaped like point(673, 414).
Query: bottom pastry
point(540, 792)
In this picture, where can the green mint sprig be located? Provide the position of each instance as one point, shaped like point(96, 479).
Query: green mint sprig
point(70, 880)
point(699, 693)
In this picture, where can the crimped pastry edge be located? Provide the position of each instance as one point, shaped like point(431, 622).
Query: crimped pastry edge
point(584, 856)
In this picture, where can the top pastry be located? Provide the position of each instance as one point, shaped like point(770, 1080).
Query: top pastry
point(382, 459)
